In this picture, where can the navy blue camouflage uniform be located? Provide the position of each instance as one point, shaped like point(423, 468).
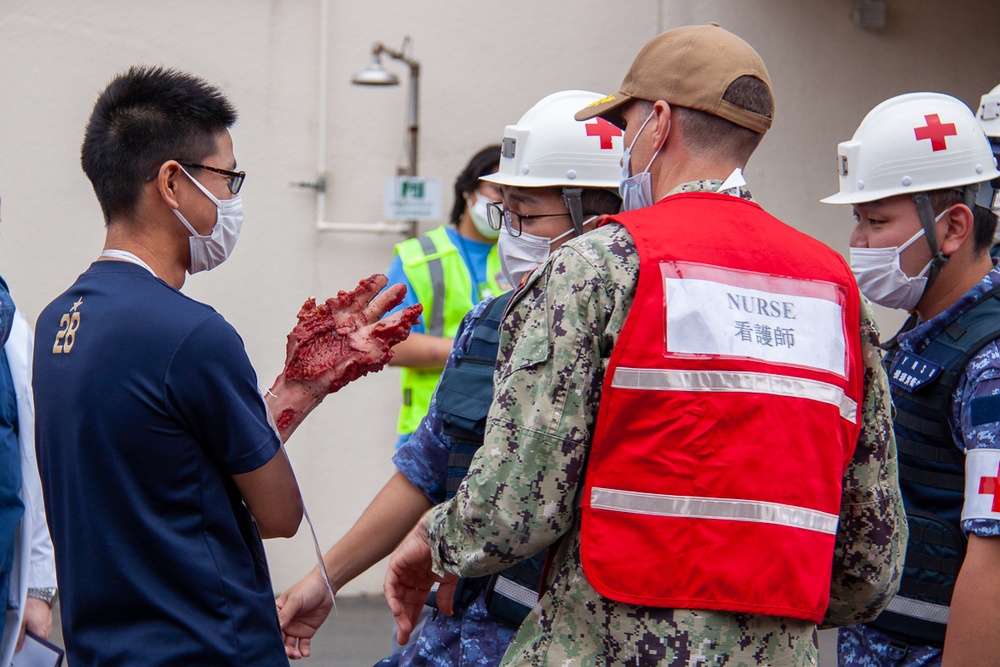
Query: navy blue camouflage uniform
point(864, 646)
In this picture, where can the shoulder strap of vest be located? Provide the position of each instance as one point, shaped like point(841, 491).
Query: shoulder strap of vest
point(970, 333)
point(486, 337)
point(961, 340)
point(466, 392)
point(421, 258)
point(425, 248)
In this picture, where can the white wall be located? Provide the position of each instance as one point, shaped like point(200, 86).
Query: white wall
point(482, 66)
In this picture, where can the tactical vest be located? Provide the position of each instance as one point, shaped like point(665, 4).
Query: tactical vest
point(932, 469)
point(442, 283)
point(464, 397)
point(729, 413)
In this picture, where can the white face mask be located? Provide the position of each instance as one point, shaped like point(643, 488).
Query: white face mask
point(881, 279)
point(207, 252)
point(477, 212)
point(520, 255)
point(637, 191)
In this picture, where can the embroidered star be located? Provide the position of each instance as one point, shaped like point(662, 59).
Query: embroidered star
point(76, 305)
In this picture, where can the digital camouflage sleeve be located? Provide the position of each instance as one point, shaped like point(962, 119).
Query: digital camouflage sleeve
point(871, 539)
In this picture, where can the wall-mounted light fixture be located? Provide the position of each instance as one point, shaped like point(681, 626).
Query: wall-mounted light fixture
point(374, 75)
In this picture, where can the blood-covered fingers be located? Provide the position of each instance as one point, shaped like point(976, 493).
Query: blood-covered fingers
point(359, 298)
point(384, 302)
point(396, 328)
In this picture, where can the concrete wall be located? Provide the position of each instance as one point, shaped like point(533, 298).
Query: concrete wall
point(482, 66)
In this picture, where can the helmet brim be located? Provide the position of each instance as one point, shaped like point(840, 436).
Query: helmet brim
point(609, 108)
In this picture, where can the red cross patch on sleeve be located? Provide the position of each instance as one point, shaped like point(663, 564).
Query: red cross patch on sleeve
point(982, 484)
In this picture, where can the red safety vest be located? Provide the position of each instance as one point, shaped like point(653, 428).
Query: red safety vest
point(729, 413)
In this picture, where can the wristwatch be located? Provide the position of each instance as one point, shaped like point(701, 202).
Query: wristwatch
point(46, 595)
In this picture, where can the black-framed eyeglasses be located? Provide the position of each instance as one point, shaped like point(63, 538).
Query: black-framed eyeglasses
point(497, 215)
point(236, 178)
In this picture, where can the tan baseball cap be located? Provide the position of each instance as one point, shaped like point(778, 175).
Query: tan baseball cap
point(691, 67)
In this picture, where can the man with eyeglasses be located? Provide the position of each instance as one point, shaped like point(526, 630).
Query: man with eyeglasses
point(161, 464)
point(689, 411)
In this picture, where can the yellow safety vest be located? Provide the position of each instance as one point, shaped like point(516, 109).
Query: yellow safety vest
point(442, 283)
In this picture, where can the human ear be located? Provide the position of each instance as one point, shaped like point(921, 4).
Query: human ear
point(959, 225)
point(167, 183)
point(663, 113)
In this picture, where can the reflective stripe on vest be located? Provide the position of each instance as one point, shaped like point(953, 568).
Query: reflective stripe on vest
point(442, 283)
point(728, 416)
point(515, 592)
point(435, 327)
point(714, 508)
point(757, 383)
point(936, 613)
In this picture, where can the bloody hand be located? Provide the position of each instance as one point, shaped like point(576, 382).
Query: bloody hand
point(345, 338)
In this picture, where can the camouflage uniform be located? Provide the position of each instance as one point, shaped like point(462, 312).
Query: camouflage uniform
point(868, 647)
point(521, 492)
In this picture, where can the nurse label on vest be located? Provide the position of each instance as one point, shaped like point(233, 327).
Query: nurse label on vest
point(911, 372)
point(720, 312)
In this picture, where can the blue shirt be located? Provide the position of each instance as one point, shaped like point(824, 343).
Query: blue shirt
point(471, 637)
point(473, 253)
point(146, 405)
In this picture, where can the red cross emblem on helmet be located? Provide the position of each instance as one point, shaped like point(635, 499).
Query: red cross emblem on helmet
point(605, 130)
point(936, 132)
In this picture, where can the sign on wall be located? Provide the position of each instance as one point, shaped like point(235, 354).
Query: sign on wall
point(411, 198)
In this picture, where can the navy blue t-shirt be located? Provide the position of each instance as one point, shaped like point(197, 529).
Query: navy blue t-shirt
point(146, 405)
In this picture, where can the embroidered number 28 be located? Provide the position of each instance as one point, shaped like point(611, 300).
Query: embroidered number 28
point(69, 323)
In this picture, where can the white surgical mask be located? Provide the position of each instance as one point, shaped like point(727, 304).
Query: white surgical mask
point(637, 190)
point(520, 255)
point(477, 212)
point(881, 279)
point(207, 252)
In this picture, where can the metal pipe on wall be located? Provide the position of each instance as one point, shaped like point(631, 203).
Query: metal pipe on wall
point(323, 225)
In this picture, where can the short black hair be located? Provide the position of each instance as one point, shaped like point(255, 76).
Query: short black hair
point(600, 201)
point(143, 118)
point(486, 161)
point(984, 228)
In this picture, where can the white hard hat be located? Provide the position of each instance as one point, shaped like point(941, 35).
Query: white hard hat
point(913, 143)
point(989, 118)
point(549, 148)
point(989, 113)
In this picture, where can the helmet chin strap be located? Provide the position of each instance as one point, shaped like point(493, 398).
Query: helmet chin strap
point(971, 195)
point(573, 198)
point(926, 213)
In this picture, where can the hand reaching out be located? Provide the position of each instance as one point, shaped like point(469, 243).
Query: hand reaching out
point(409, 580)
